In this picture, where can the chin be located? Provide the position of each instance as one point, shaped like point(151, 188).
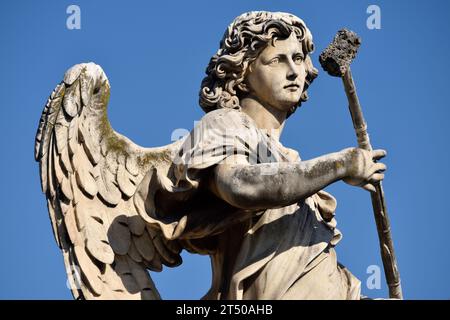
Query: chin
point(286, 102)
point(289, 104)
point(286, 107)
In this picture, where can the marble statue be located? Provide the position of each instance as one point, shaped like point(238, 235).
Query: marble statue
point(229, 189)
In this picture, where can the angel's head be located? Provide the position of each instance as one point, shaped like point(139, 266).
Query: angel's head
point(251, 35)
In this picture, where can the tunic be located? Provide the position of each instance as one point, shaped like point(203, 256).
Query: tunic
point(280, 253)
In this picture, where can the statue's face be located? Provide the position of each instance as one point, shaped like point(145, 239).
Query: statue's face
point(277, 76)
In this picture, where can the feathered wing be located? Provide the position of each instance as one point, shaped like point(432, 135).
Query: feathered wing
point(89, 174)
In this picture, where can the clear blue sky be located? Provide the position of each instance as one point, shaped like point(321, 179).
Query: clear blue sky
point(155, 54)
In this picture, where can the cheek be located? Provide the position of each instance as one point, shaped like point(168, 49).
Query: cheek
point(302, 73)
point(262, 83)
point(273, 81)
point(301, 76)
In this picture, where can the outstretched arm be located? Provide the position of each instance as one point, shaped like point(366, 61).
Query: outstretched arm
point(273, 185)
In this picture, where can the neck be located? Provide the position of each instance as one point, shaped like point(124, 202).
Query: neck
point(266, 117)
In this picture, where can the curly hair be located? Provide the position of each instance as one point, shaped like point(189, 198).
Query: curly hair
point(241, 44)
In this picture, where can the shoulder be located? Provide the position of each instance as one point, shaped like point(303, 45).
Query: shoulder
point(226, 118)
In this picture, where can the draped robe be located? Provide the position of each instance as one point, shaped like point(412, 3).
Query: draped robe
point(277, 253)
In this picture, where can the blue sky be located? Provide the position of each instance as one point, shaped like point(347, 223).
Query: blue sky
point(155, 54)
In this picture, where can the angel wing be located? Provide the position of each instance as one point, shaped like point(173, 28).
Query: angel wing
point(89, 174)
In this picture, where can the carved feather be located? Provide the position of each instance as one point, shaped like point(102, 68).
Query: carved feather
point(57, 170)
point(123, 269)
point(133, 253)
point(119, 235)
point(73, 136)
point(136, 224)
point(52, 216)
point(90, 272)
point(143, 280)
point(167, 256)
point(66, 188)
point(92, 150)
point(131, 165)
point(71, 226)
point(72, 100)
point(61, 132)
point(83, 175)
point(155, 264)
point(107, 188)
point(124, 182)
point(145, 246)
point(51, 175)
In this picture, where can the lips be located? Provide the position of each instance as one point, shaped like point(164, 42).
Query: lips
point(292, 86)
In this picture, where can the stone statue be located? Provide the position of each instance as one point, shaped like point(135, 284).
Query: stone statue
point(229, 189)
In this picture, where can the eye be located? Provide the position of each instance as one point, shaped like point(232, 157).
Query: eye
point(298, 58)
point(274, 61)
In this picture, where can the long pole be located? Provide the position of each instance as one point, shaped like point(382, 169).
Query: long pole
point(378, 201)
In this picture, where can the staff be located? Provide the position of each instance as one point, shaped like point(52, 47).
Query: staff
point(335, 60)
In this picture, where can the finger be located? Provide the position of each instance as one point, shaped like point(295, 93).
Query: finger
point(376, 177)
point(379, 167)
point(378, 154)
point(369, 187)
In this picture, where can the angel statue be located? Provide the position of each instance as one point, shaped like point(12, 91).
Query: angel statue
point(229, 189)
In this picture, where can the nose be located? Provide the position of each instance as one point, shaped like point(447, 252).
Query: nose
point(292, 72)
